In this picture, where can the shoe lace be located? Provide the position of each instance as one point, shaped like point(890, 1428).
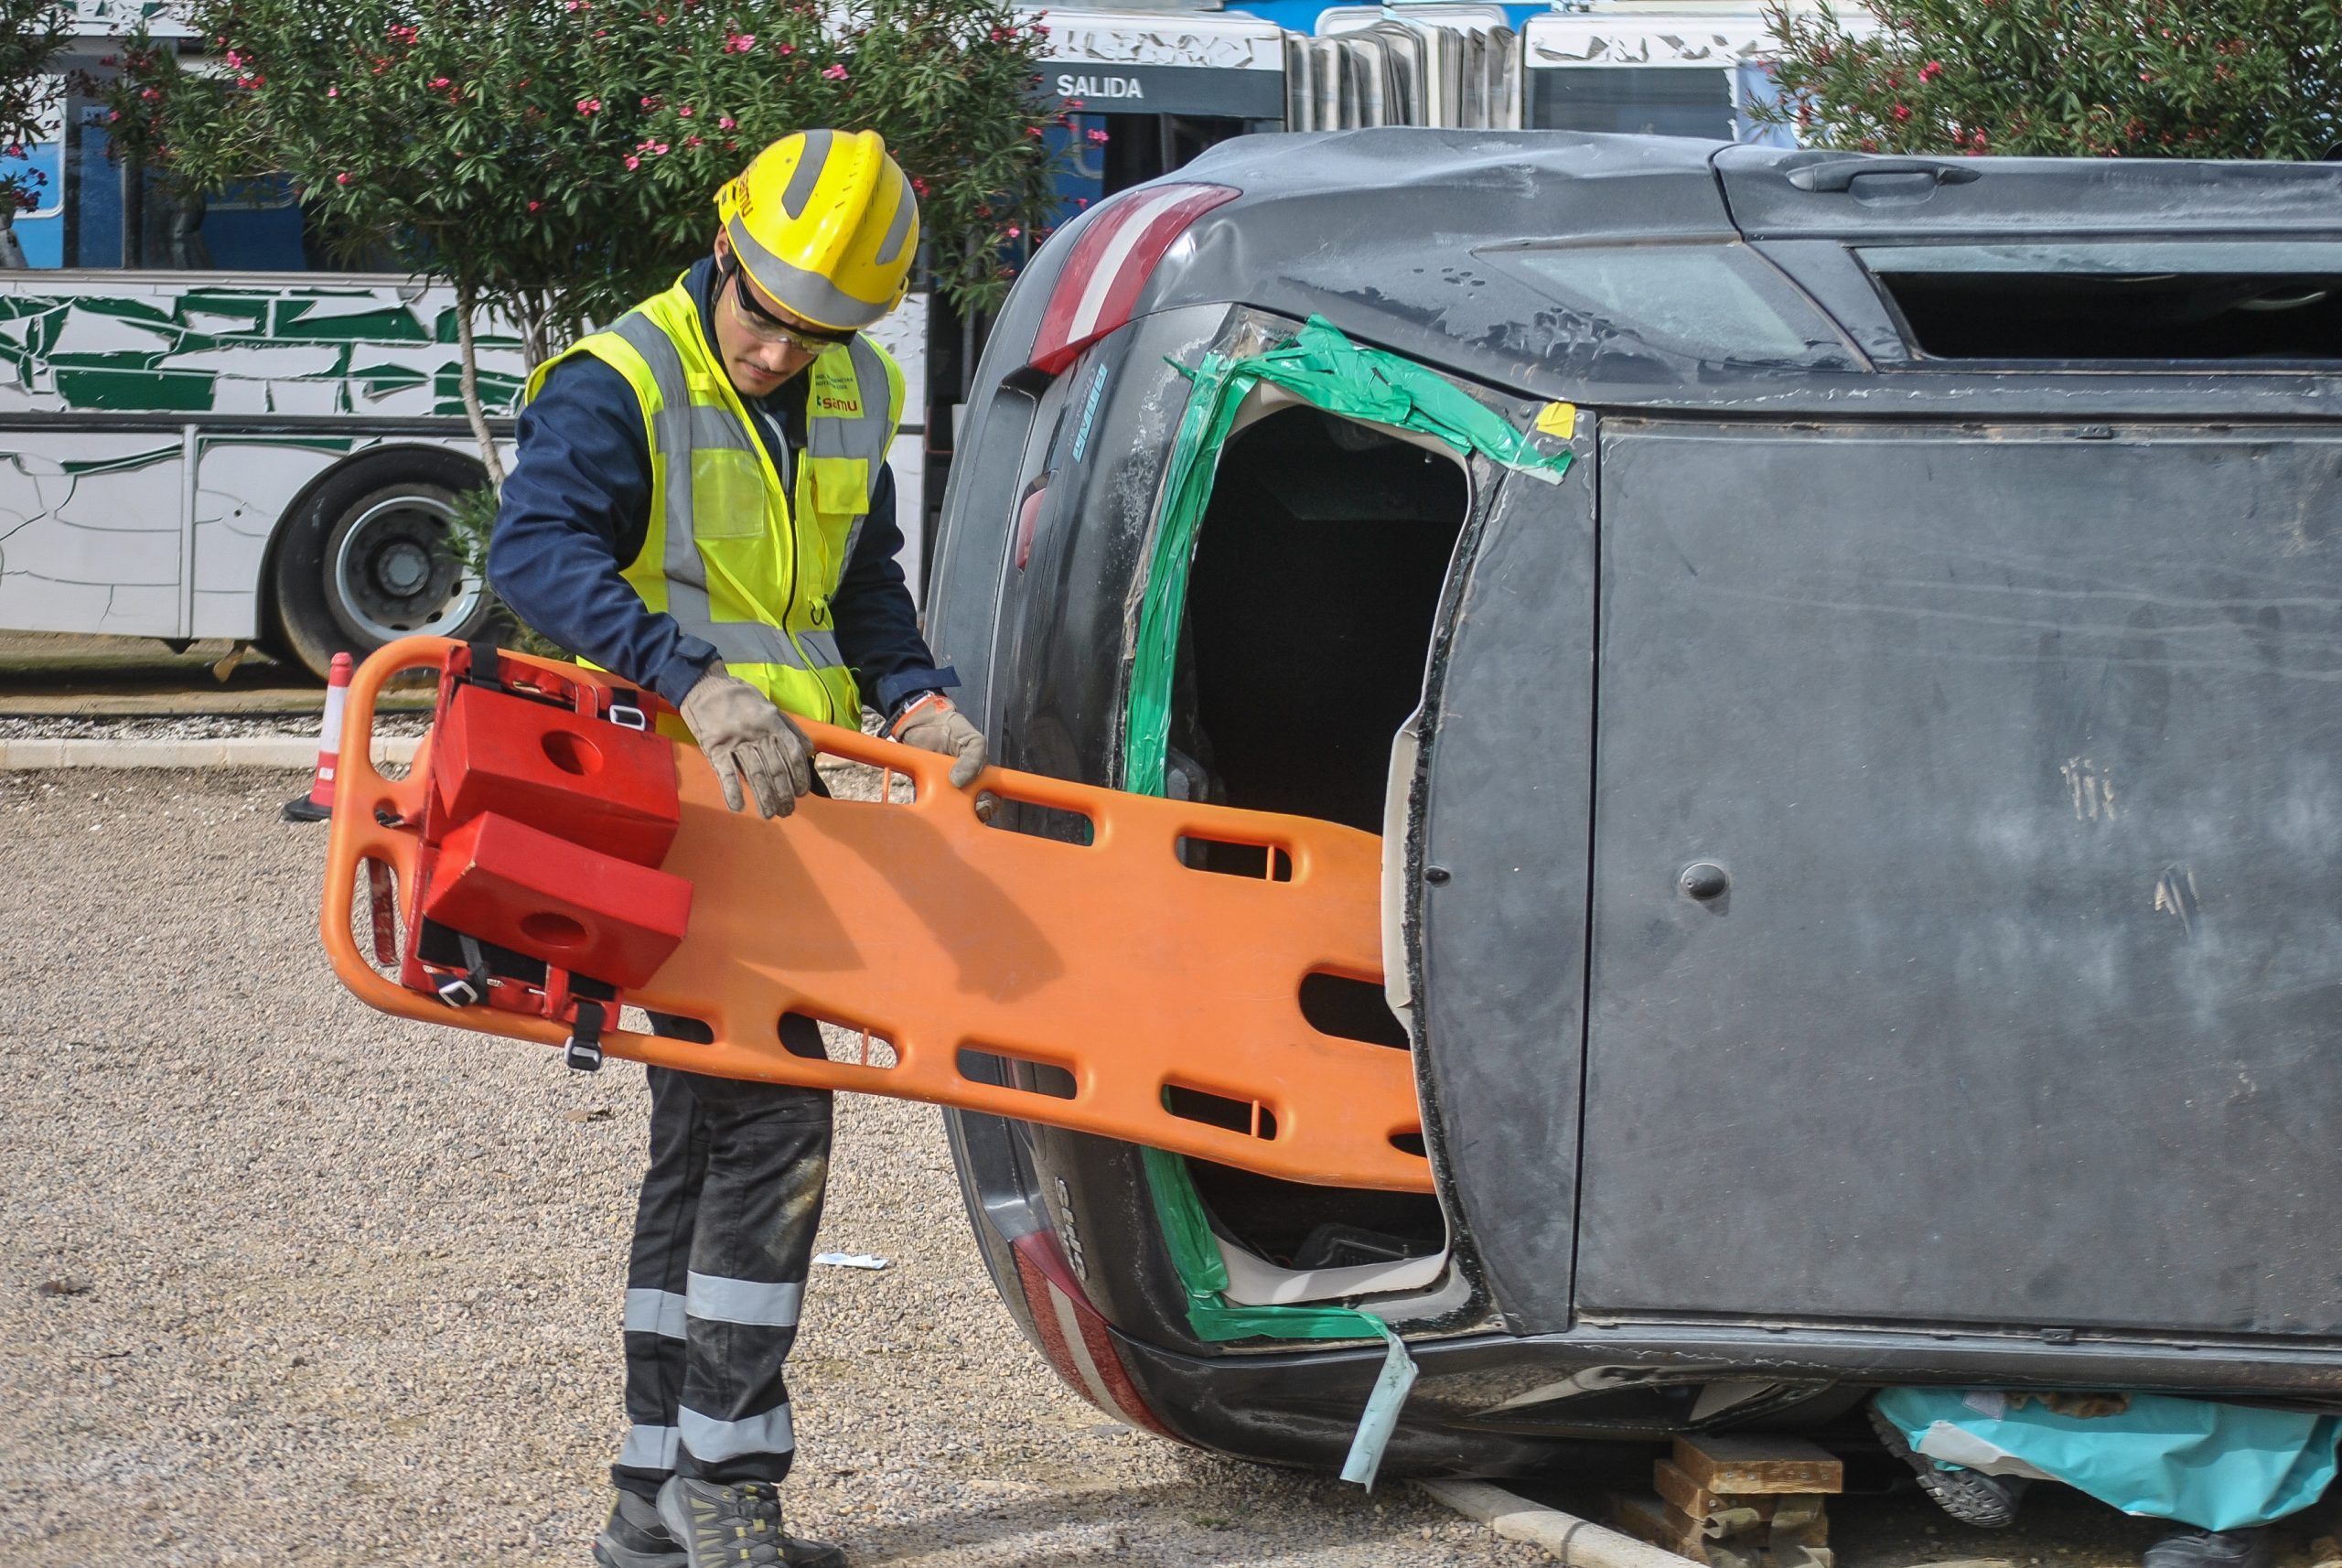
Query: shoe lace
point(754, 1502)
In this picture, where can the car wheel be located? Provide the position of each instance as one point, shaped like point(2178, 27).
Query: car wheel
point(367, 558)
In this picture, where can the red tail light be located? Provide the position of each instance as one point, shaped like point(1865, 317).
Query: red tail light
point(1074, 1336)
point(1111, 262)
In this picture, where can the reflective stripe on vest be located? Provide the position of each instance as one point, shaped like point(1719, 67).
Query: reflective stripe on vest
point(728, 551)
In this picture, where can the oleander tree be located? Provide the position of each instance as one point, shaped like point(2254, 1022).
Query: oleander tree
point(2215, 78)
point(31, 34)
point(555, 160)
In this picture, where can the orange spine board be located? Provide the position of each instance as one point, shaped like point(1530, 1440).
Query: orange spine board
point(1113, 961)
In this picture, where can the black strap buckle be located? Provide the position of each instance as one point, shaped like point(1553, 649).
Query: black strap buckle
point(583, 1048)
point(470, 988)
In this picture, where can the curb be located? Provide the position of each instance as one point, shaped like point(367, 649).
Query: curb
point(244, 751)
point(1577, 1542)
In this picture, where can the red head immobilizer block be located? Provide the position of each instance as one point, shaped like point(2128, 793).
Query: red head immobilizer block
point(593, 914)
point(594, 783)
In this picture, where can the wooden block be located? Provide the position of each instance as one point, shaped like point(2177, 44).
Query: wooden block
point(1798, 1522)
point(1734, 1462)
point(1696, 1500)
point(1647, 1517)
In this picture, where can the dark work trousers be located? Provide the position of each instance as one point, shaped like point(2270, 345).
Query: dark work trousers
point(723, 1238)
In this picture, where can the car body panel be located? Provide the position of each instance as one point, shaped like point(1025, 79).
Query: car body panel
point(2016, 746)
point(1501, 924)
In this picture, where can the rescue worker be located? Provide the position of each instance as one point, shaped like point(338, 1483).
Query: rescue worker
point(701, 504)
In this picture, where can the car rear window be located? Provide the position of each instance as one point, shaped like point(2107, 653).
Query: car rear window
point(1713, 302)
point(2269, 301)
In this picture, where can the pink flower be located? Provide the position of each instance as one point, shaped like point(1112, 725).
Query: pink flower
point(789, 48)
point(1930, 70)
point(1014, 232)
point(1902, 112)
point(726, 122)
point(333, 93)
point(234, 58)
point(404, 35)
point(835, 74)
point(342, 179)
point(1032, 130)
point(918, 185)
point(438, 82)
point(590, 106)
point(1097, 135)
point(739, 43)
point(685, 112)
point(691, 141)
point(633, 162)
point(534, 205)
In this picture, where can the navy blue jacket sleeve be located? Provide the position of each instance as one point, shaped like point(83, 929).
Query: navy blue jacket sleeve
point(877, 626)
point(574, 510)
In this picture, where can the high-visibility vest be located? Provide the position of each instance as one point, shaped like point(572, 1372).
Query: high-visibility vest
point(729, 552)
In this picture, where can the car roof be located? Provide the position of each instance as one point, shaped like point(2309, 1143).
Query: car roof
point(1425, 242)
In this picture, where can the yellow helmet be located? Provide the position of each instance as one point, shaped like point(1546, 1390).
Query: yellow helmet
point(824, 222)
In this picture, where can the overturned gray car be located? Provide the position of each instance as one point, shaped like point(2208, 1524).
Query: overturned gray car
point(1860, 766)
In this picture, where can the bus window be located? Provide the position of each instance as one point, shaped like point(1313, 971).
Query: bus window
point(1652, 101)
point(38, 230)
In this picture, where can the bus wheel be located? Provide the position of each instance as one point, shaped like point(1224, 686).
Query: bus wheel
point(368, 559)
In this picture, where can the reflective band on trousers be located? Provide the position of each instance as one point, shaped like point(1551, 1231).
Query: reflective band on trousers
point(715, 1299)
point(659, 1312)
point(650, 1448)
point(712, 1441)
point(735, 555)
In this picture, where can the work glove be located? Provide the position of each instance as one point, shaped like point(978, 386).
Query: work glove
point(746, 737)
point(932, 724)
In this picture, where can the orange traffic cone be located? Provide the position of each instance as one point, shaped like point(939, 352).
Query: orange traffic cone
point(317, 804)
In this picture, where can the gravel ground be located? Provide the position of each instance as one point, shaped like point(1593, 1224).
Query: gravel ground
point(284, 1280)
point(188, 726)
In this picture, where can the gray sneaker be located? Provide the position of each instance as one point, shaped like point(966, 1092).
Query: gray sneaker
point(636, 1537)
point(2188, 1547)
point(736, 1526)
point(1971, 1496)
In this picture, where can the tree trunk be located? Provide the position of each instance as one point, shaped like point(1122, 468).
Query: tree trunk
point(468, 377)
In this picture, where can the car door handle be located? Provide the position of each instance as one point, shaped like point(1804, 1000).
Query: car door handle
point(1840, 174)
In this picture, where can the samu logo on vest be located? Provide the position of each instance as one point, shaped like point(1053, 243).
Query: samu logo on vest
point(838, 405)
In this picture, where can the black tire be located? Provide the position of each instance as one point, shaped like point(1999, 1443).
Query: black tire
point(365, 559)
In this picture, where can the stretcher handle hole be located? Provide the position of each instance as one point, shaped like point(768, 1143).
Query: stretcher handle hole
point(1034, 820)
point(1351, 1009)
point(571, 753)
point(834, 1040)
point(983, 1065)
point(1248, 1117)
point(549, 930)
point(1262, 862)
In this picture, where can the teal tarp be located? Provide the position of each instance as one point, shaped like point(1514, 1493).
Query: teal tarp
point(2216, 1466)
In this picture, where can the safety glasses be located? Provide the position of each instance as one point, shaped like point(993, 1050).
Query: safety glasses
point(766, 327)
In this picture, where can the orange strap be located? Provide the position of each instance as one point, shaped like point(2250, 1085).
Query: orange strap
point(1167, 998)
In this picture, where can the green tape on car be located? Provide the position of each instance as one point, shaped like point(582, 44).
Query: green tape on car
point(1323, 369)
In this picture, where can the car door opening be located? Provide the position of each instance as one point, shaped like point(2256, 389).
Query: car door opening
point(1310, 608)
